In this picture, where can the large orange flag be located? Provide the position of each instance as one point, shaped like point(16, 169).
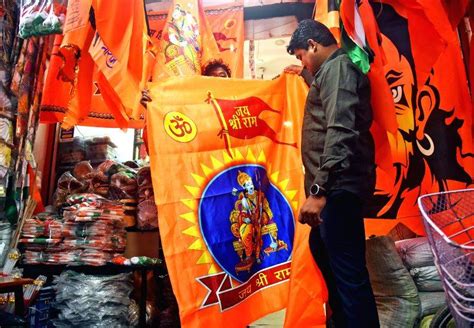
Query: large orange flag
point(417, 69)
point(228, 180)
point(433, 148)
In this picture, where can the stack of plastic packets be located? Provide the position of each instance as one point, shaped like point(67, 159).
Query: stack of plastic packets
point(93, 229)
point(92, 301)
point(41, 238)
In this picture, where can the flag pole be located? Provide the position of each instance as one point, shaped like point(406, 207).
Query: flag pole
point(221, 118)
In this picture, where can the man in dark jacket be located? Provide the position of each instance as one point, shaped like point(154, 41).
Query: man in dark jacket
point(338, 156)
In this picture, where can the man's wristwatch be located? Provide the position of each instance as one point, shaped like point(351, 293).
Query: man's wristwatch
point(317, 190)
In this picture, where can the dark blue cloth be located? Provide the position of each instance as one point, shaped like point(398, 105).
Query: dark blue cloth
point(338, 247)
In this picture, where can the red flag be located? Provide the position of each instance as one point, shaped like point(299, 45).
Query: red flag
point(242, 119)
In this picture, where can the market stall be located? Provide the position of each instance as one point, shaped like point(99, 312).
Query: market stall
point(179, 206)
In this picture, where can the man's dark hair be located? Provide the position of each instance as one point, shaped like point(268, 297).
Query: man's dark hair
point(213, 64)
point(310, 29)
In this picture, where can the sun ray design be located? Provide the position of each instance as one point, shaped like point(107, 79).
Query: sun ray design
point(209, 170)
point(238, 155)
point(275, 176)
point(250, 156)
point(189, 203)
point(190, 217)
point(199, 179)
point(194, 191)
point(192, 231)
point(283, 184)
point(216, 164)
point(291, 194)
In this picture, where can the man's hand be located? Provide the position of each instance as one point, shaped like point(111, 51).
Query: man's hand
point(293, 69)
point(310, 212)
point(145, 99)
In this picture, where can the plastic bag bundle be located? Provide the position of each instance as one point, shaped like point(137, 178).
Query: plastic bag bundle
point(123, 185)
point(110, 243)
point(67, 185)
point(94, 226)
point(147, 213)
point(42, 233)
point(72, 151)
point(427, 279)
point(92, 233)
point(68, 257)
point(43, 225)
point(41, 17)
point(92, 301)
point(87, 230)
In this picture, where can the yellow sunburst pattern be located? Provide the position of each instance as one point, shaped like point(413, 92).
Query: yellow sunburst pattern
point(208, 172)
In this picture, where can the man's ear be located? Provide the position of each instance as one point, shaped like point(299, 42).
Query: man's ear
point(312, 45)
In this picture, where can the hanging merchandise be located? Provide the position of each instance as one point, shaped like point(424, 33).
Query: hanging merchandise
point(226, 22)
point(41, 17)
point(92, 301)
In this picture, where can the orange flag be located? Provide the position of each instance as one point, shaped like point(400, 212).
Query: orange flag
point(186, 42)
point(433, 148)
point(227, 25)
point(228, 189)
point(365, 30)
point(96, 77)
point(72, 65)
point(385, 121)
point(55, 101)
point(121, 50)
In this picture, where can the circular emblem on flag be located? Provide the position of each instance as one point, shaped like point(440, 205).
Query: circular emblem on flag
point(246, 221)
point(180, 127)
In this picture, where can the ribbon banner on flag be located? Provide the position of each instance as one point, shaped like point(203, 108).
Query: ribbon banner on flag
point(227, 175)
point(221, 291)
